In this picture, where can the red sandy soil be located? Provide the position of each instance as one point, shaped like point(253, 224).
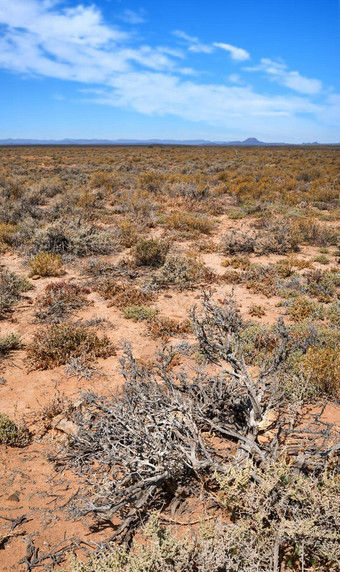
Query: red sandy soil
point(29, 483)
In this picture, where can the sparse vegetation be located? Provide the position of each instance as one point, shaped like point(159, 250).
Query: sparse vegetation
point(12, 434)
point(11, 288)
point(59, 299)
point(217, 418)
point(46, 264)
point(56, 344)
point(150, 252)
point(9, 343)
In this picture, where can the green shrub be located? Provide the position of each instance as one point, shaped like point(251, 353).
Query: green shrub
point(279, 511)
point(321, 259)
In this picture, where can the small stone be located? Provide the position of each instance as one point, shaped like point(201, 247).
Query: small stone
point(64, 425)
point(167, 296)
point(36, 277)
point(15, 497)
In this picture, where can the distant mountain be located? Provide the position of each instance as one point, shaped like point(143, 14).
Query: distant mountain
point(250, 142)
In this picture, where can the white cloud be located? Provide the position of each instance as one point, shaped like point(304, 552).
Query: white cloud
point(194, 45)
point(237, 54)
point(43, 38)
point(279, 72)
point(71, 44)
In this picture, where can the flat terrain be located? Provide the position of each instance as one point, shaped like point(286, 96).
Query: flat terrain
point(103, 249)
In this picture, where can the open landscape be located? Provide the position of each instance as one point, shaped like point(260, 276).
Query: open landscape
point(169, 358)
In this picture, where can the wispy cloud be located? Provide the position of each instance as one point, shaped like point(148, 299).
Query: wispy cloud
point(279, 72)
point(132, 17)
point(238, 54)
point(194, 44)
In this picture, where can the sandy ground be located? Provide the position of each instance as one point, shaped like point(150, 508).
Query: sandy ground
point(29, 483)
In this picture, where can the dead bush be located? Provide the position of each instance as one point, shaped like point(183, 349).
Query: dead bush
point(149, 447)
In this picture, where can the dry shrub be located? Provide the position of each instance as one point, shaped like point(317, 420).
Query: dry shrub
point(257, 310)
point(187, 222)
point(239, 262)
point(88, 200)
point(46, 264)
point(12, 434)
point(323, 367)
point(183, 272)
point(60, 299)
point(122, 294)
point(139, 313)
point(7, 235)
point(106, 180)
point(302, 309)
point(150, 252)
point(80, 239)
point(56, 344)
point(54, 407)
point(127, 232)
point(11, 288)
point(165, 328)
point(275, 239)
point(9, 343)
point(311, 231)
point(151, 181)
point(139, 204)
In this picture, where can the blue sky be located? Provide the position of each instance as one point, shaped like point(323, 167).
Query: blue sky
point(189, 69)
